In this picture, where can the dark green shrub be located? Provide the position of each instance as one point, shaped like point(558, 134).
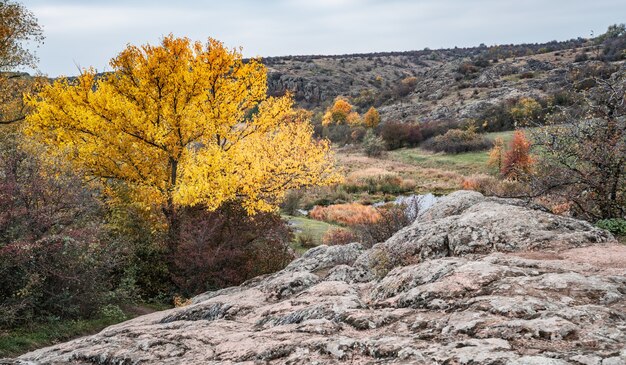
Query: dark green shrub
point(617, 226)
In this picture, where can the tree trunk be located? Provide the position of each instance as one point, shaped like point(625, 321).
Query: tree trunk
point(171, 211)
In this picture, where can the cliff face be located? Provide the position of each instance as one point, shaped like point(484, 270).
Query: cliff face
point(452, 84)
point(474, 280)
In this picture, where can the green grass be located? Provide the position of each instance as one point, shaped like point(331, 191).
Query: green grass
point(506, 136)
point(465, 163)
point(18, 341)
point(311, 226)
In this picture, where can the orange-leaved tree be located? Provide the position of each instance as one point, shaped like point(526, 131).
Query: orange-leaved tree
point(181, 124)
point(517, 159)
point(341, 112)
point(371, 118)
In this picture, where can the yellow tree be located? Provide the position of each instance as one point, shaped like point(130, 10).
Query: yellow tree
point(341, 112)
point(182, 123)
point(371, 119)
point(496, 155)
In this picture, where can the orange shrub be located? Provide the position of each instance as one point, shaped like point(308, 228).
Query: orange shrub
point(517, 159)
point(348, 214)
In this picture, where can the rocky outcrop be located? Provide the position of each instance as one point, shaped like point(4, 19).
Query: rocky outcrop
point(474, 280)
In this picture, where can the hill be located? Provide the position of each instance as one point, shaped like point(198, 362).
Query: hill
point(459, 83)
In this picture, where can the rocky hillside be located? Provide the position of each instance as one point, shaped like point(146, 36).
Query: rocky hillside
point(474, 280)
point(457, 83)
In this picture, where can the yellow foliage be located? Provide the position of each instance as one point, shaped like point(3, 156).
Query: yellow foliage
point(525, 110)
point(496, 155)
point(341, 112)
point(183, 123)
point(371, 119)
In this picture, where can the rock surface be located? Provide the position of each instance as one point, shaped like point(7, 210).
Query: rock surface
point(474, 280)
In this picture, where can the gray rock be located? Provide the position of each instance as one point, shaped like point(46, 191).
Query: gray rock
point(475, 281)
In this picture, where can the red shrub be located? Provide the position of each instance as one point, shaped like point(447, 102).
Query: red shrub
point(517, 159)
point(338, 236)
point(226, 247)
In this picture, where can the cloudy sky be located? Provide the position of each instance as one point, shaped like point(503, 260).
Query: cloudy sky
point(83, 33)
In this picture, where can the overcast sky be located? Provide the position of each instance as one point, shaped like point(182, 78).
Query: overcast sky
point(83, 33)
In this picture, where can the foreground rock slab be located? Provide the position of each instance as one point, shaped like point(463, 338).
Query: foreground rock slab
point(475, 280)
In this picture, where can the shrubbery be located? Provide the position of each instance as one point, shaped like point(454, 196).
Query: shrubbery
point(616, 226)
point(458, 141)
point(228, 246)
point(392, 218)
point(62, 276)
point(338, 236)
point(348, 214)
point(386, 184)
point(373, 145)
point(397, 135)
point(490, 185)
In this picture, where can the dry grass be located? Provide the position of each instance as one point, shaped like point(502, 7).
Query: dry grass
point(420, 178)
point(348, 214)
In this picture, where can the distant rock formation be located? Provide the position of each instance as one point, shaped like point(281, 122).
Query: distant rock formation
point(474, 280)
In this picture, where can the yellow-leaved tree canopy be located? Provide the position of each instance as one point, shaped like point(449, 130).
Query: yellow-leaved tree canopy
point(183, 123)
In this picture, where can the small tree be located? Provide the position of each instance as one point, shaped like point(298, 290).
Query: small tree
point(373, 145)
point(583, 159)
point(496, 155)
point(371, 119)
point(341, 112)
point(517, 159)
point(18, 28)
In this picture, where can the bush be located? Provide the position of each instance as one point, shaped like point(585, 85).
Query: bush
point(348, 214)
point(437, 128)
point(338, 236)
point(68, 277)
point(306, 240)
point(458, 141)
point(617, 226)
point(390, 220)
point(397, 135)
point(292, 201)
point(358, 133)
point(406, 86)
point(228, 246)
point(491, 186)
point(338, 133)
point(581, 57)
point(384, 183)
point(517, 161)
point(373, 145)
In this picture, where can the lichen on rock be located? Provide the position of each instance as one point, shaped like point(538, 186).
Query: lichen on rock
point(475, 280)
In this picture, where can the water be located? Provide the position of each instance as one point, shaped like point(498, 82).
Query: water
point(415, 203)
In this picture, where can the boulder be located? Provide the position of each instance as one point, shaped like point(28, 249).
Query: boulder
point(475, 280)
